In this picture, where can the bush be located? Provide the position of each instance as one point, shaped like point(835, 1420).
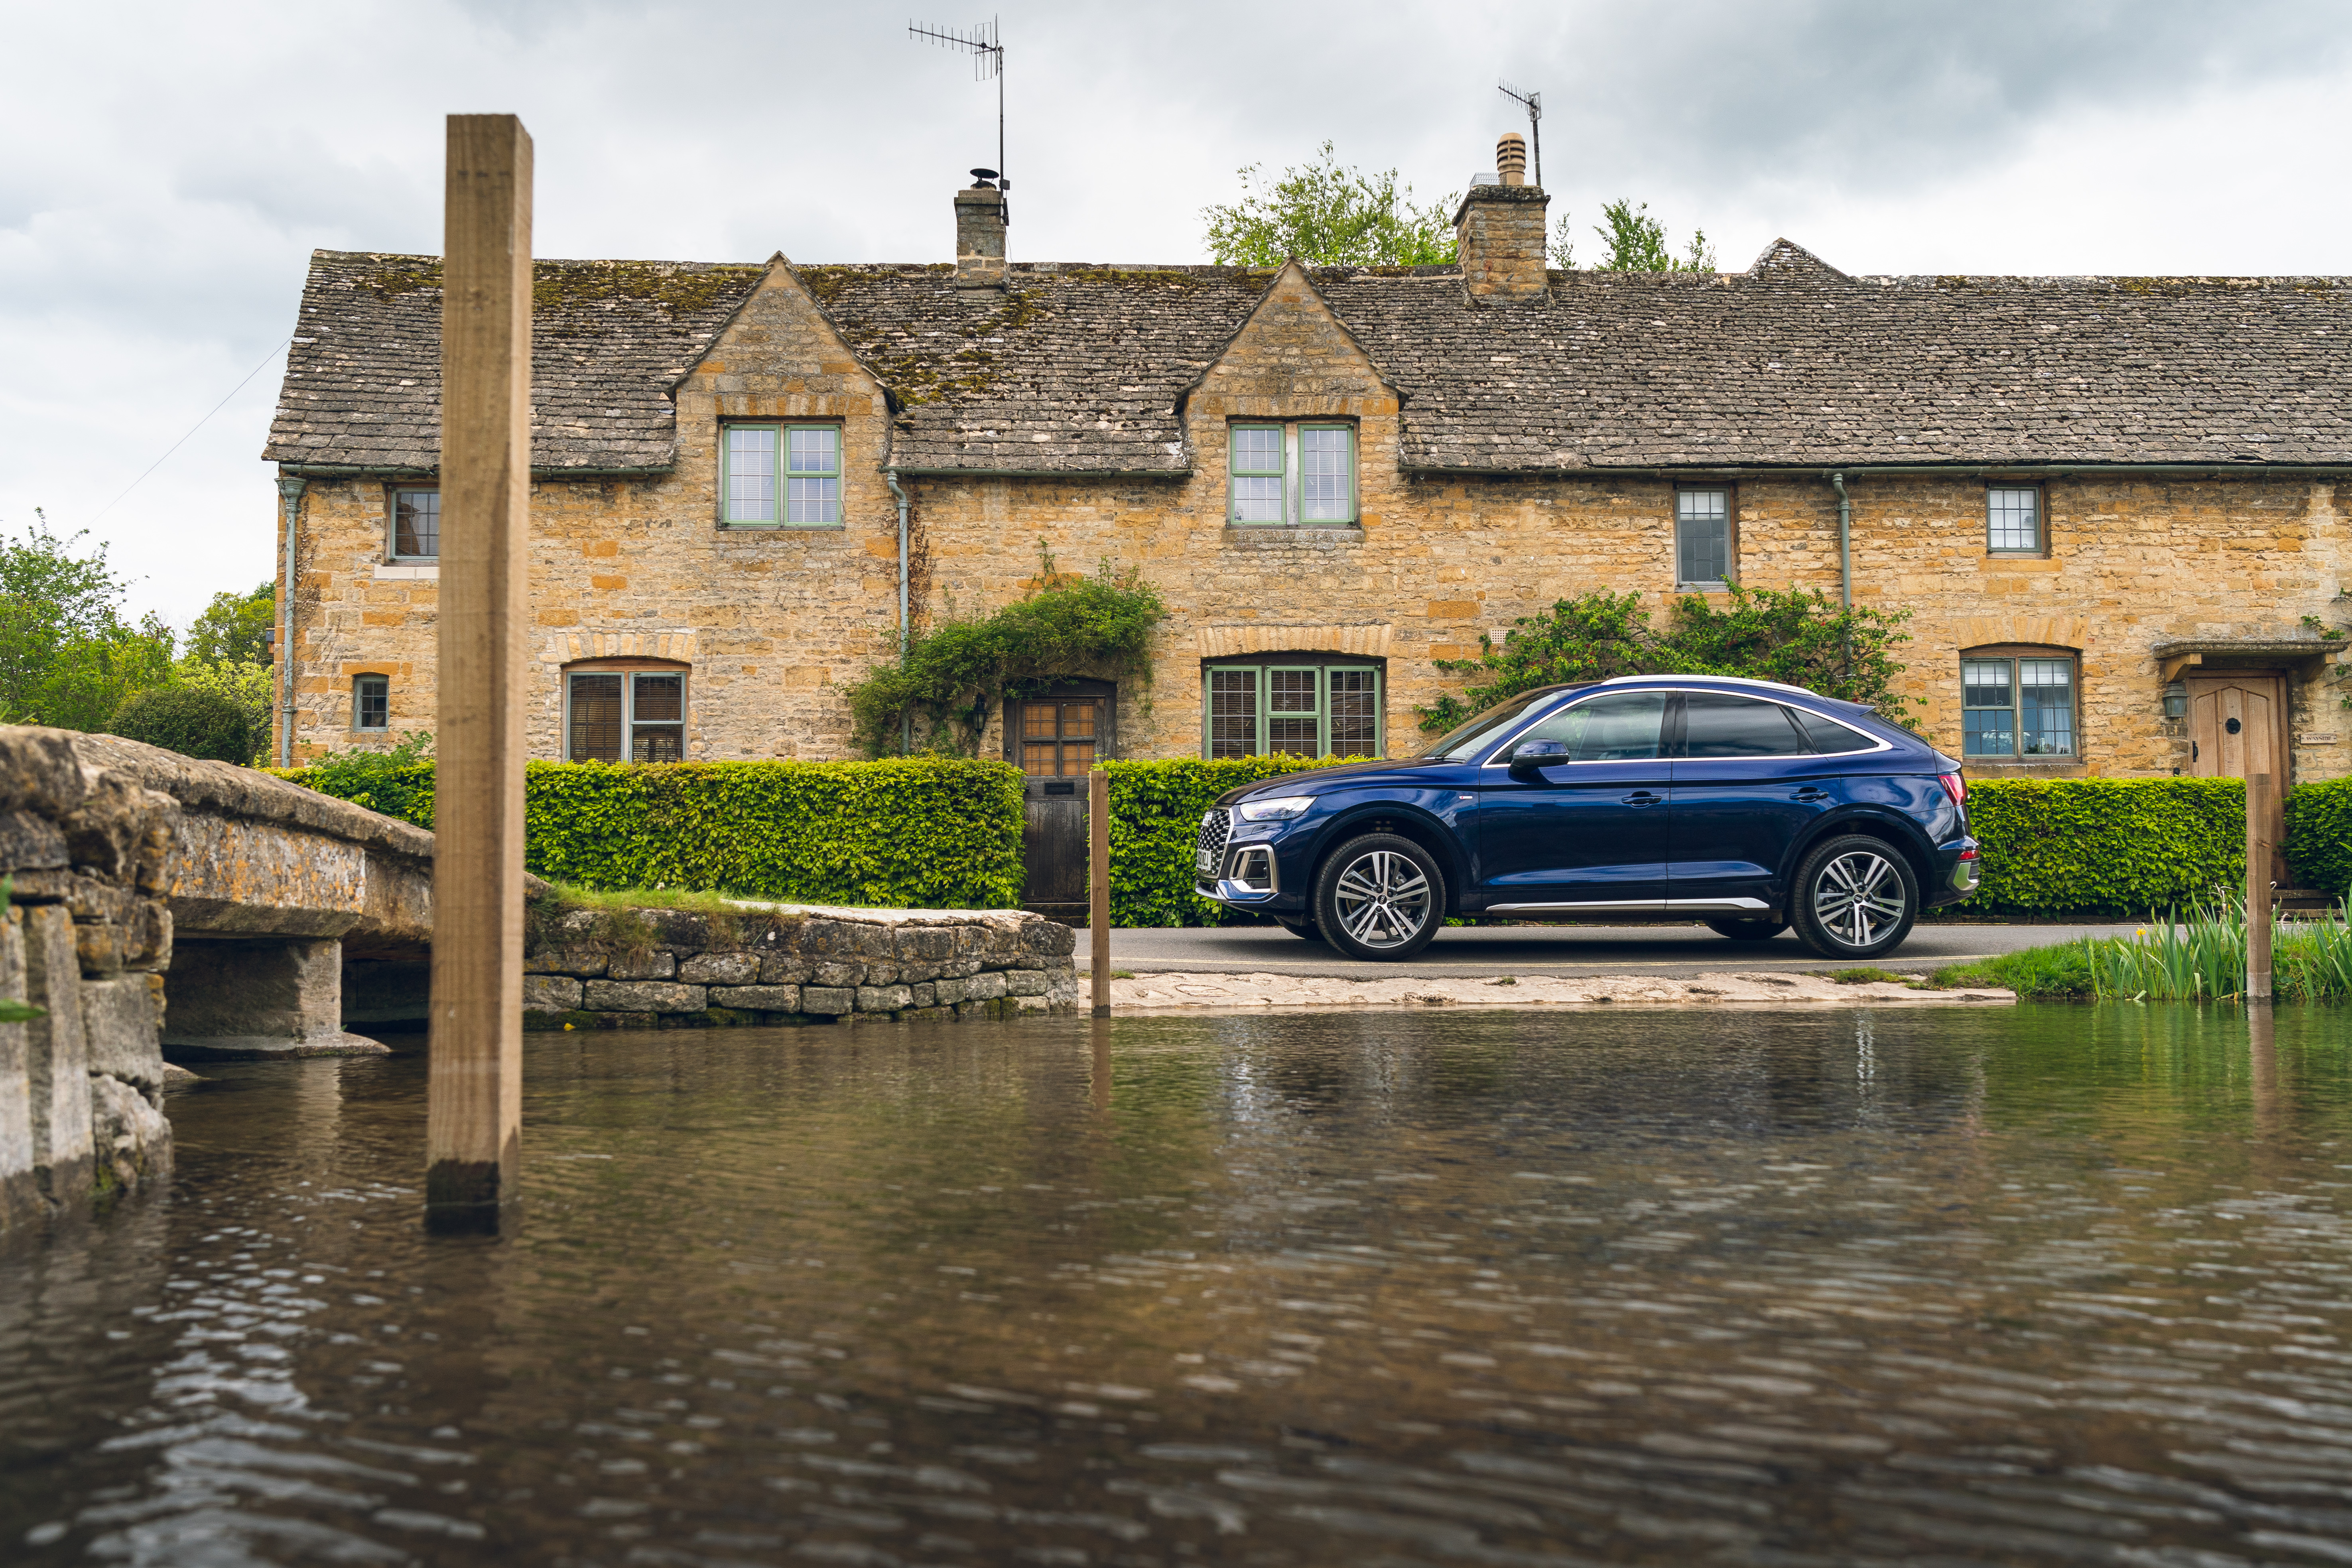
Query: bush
point(1155, 819)
point(191, 722)
point(396, 781)
point(932, 832)
point(2107, 847)
point(2320, 835)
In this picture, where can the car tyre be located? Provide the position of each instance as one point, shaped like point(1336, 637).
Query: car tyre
point(1747, 930)
point(1306, 931)
point(1855, 897)
point(1379, 897)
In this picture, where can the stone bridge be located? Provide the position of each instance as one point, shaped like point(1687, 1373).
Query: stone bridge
point(160, 905)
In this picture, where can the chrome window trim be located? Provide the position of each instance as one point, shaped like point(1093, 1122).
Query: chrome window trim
point(1877, 743)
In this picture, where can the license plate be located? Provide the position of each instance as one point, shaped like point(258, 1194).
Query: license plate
point(1203, 862)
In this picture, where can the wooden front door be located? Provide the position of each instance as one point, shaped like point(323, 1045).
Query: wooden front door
point(2237, 726)
point(1054, 740)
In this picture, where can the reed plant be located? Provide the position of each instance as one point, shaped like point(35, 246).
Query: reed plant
point(2199, 954)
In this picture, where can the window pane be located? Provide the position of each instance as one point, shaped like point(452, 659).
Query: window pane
point(1702, 536)
point(1355, 713)
point(1233, 712)
point(374, 701)
point(750, 474)
point(1989, 716)
point(1986, 732)
point(1830, 737)
point(417, 522)
point(1984, 683)
point(2045, 691)
point(658, 743)
point(1077, 721)
point(1078, 757)
point(1037, 721)
point(659, 698)
point(2014, 519)
point(595, 719)
point(816, 451)
point(1258, 501)
point(1290, 691)
point(813, 500)
point(1622, 728)
point(1037, 759)
point(1323, 477)
point(1718, 725)
point(1257, 450)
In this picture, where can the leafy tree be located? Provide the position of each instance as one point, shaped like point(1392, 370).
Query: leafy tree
point(191, 722)
point(1637, 242)
point(234, 627)
point(251, 686)
point(68, 657)
point(1799, 637)
point(1330, 216)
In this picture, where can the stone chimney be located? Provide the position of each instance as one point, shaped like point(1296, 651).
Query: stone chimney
point(979, 234)
point(1499, 228)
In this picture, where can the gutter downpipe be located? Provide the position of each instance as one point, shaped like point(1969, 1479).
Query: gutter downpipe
point(906, 721)
point(289, 495)
point(1845, 540)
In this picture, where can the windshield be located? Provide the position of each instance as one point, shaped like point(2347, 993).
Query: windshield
point(1483, 731)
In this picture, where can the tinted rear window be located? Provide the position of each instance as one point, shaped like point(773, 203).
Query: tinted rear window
point(1719, 724)
point(1830, 737)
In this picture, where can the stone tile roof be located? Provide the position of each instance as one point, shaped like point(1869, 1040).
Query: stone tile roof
point(1080, 369)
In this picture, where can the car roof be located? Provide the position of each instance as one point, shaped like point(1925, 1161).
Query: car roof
point(1743, 681)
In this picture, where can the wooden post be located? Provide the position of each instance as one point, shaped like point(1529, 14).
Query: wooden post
point(474, 1097)
point(2258, 887)
point(1098, 886)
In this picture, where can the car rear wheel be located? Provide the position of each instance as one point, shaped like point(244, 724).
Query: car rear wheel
point(1379, 897)
point(1855, 897)
point(1747, 930)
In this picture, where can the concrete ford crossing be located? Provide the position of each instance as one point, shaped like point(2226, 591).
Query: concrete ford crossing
point(1747, 805)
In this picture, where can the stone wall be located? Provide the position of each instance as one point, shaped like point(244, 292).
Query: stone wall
point(85, 938)
point(791, 963)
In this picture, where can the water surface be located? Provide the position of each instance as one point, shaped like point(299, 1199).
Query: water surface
point(2032, 1284)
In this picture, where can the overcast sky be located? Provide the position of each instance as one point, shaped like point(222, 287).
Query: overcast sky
point(168, 168)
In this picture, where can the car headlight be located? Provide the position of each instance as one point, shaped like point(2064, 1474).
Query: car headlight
point(1281, 808)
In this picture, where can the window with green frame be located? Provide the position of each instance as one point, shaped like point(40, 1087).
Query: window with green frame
point(780, 476)
point(1291, 705)
point(1291, 472)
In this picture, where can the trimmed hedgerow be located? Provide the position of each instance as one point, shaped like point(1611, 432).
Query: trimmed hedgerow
point(2106, 847)
point(1155, 819)
point(191, 722)
point(2320, 835)
point(913, 832)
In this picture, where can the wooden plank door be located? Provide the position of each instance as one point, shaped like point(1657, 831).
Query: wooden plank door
point(2237, 728)
point(1057, 738)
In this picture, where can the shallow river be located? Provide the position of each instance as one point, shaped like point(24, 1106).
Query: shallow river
point(2032, 1284)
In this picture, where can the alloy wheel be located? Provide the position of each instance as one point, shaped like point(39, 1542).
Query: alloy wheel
point(1383, 898)
point(1859, 897)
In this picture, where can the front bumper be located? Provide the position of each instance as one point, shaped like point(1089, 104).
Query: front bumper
point(1247, 872)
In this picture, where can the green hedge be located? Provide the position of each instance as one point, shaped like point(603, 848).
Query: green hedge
point(919, 832)
point(2106, 847)
point(2320, 835)
point(1155, 818)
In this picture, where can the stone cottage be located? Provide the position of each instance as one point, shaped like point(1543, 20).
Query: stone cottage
point(2108, 502)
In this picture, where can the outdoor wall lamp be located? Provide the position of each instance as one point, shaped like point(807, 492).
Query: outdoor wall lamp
point(2175, 701)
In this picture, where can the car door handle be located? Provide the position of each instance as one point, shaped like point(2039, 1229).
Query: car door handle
point(1809, 795)
point(1644, 797)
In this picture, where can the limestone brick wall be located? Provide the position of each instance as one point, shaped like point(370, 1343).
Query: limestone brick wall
point(774, 621)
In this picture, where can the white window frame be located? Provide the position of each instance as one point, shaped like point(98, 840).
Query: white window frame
point(392, 550)
point(2040, 544)
point(1292, 476)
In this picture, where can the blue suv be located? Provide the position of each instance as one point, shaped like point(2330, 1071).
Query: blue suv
point(1745, 804)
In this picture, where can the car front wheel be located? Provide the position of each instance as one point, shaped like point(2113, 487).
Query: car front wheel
point(1379, 897)
point(1855, 897)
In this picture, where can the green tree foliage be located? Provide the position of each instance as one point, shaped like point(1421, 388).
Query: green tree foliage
point(191, 722)
point(234, 627)
point(1330, 216)
point(1803, 638)
point(953, 676)
point(68, 657)
point(250, 686)
point(1637, 242)
point(394, 780)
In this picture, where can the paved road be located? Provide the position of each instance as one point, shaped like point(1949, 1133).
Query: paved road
point(1670, 950)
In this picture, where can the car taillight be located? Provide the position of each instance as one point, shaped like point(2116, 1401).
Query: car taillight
point(1955, 786)
point(1967, 853)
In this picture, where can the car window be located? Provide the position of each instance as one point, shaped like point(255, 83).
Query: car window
point(1620, 728)
point(1830, 737)
point(1473, 737)
point(1719, 724)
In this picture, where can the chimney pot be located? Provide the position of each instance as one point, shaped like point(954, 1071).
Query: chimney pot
point(980, 238)
point(1511, 158)
point(1499, 231)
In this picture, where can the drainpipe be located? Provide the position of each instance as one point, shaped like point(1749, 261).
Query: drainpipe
point(290, 496)
point(1845, 540)
point(906, 721)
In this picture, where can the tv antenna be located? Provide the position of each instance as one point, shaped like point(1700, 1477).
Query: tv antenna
point(986, 46)
point(1534, 102)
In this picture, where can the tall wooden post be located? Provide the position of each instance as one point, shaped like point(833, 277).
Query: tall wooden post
point(2258, 887)
point(474, 1100)
point(1098, 886)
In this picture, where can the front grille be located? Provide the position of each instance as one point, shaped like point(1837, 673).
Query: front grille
point(1216, 827)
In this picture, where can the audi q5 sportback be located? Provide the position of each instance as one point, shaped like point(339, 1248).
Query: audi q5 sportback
point(1747, 805)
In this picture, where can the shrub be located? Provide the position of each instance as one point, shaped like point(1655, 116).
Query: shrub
point(923, 832)
point(397, 780)
point(191, 722)
point(2111, 846)
point(2320, 835)
point(1155, 819)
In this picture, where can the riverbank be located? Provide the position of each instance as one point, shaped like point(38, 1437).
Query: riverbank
point(1183, 990)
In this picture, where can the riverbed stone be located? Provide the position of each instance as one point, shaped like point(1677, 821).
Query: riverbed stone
point(830, 999)
point(551, 993)
point(884, 998)
point(764, 998)
point(785, 969)
point(585, 960)
point(122, 1018)
point(643, 997)
point(719, 969)
point(642, 963)
point(132, 1140)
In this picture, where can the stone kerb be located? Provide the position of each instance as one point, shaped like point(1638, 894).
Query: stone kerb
point(793, 963)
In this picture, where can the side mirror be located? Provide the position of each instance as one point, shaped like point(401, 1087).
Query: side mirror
point(1529, 760)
